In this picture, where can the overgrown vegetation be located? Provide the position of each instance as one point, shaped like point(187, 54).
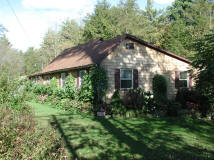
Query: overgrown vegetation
point(21, 137)
point(203, 62)
point(89, 97)
point(159, 88)
point(184, 28)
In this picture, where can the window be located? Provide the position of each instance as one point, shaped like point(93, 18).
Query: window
point(63, 78)
point(49, 80)
point(36, 79)
point(183, 79)
point(129, 45)
point(82, 73)
point(126, 79)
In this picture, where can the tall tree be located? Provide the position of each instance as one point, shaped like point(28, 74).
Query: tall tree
point(71, 33)
point(32, 61)
point(9, 57)
point(126, 17)
point(129, 17)
point(203, 62)
point(50, 47)
point(189, 20)
point(101, 23)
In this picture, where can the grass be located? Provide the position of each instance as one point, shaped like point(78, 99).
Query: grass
point(88, 137)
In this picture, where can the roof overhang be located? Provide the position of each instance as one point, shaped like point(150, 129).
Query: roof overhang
point(60, 70)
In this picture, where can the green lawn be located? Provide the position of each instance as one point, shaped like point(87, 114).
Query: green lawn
point(87, 137)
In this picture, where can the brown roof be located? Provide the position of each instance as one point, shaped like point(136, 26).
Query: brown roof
point(94, 52)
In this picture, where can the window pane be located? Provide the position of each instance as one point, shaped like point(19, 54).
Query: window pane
point(126, 84)
point(129, 45)
point(183, 83)
point(183, 75)
point(126, 74)
point(82, 73)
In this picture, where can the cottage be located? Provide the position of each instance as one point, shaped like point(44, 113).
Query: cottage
point(130, 63)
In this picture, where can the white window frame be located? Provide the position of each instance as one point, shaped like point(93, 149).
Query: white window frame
point(126, 78)
point(61, 79)
point(187, 79)
point(80, 79)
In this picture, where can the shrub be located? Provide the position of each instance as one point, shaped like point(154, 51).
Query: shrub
point(135, 99)
point(192, 99)
point(41, 89)
point(99, 83)
point(70, 87)
point(116, 104)
point(149, 106)
point(172, 108)
point(12, 93)
point(28, 86)
point(159, 88)
point(86, 92)
point(94, 86)
point(54, 86)
point(21, 138)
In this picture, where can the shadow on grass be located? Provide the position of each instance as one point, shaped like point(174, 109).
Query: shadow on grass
point(135, 138)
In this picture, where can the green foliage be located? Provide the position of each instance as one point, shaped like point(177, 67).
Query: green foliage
point(138, 99)
point(109, 22)
point(54, 84)
point(21, 137)
point(159, 88)
point(132, 138)
point(70, 33)
point(86, 92)
point(135, 98)
point(94, 86)
point(12, 93)
point(116, 104)
point(70, 87)
point(41, 89)
point(177, 38)
point(9, 57)
point(188, 21)
point(32, 61)
point(28, 85)
point(99, 82)
point(193, 100)
point(100, 23)
point(203, 62)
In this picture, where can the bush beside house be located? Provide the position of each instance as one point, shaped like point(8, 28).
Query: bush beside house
point(90, 97)
point(20, 136)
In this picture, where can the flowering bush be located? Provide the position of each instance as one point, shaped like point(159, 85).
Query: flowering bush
point(42, 98)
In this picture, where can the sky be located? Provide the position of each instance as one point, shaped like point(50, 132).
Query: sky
point(27, 21)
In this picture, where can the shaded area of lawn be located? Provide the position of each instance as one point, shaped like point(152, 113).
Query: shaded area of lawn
point(88, 137)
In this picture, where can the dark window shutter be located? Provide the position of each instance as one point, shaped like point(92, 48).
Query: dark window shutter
point(177, 79)
point(117, 79)
point(135, 78)
point(190, 81)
